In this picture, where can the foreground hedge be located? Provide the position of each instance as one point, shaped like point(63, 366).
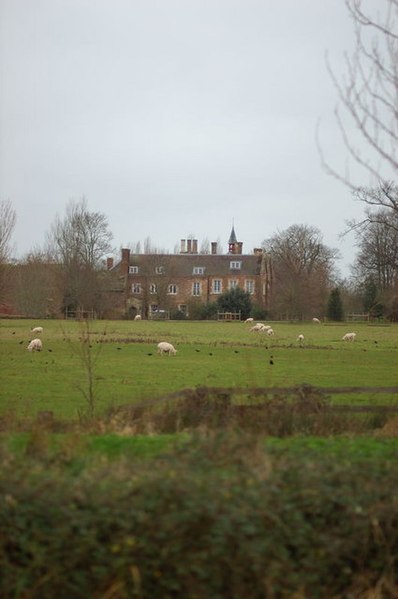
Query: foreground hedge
point(219, 518)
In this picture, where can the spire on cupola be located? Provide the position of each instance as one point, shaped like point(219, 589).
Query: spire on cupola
point(234, 246)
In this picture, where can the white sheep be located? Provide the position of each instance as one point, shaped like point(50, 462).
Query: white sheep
point(35, 345)
point(166, 348)
point(270, 332)
point(265, 328)
point(316, 320)
point(249, 319)
point(257, 327)
point(137, 317)
point(37, 330)
point(300, 338)
point(349, 337)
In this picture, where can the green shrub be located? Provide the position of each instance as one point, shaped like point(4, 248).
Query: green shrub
point(218, 517)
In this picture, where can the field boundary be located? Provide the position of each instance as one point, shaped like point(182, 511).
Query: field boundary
point(305, 393)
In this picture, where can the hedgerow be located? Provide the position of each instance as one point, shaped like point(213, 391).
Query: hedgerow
point(218, 517)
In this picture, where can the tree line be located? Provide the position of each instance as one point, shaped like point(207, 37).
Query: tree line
point(69, 272)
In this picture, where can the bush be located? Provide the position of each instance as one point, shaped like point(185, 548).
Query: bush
point(259, 313)
point(218, 517)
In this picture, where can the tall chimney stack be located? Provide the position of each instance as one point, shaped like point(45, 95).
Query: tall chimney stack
point(214, 247)
point(124, 267)
point(182, 251)
point(189, 246)
point(194, 246)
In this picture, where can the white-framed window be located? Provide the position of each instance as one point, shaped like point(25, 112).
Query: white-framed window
point(133, 270)
point(217, 286)
point(136, 288)
point(232, 284)
point(249, 286)
point(154, 307)
point(153, 288)
point(196, 288)
point(198, 270)
point(235, 265)
point(183, 308)
point(159, 270)
point(172, 289)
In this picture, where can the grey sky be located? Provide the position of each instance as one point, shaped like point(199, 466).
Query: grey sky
point(173, 117)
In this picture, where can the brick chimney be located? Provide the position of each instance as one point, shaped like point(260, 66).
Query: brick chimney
point(194, 246)
point(182, 250)
point(240, 246)
point(109, 263)
point(214, 247)
point(124, 266)
point(189, 246)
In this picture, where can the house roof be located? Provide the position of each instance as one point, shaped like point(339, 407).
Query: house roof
point(182, 265)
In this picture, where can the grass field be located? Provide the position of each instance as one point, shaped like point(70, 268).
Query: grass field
point(127, 368)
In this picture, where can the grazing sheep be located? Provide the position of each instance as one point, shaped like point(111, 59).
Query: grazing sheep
point(258, 327)
point(270, 332)
point(37, 330)
point(249, 319)
point(265, 328)
point(349, 337)
point(300, 338)
point(35, 345)
point(316, 320)
point(166, 348)
point(137, 317)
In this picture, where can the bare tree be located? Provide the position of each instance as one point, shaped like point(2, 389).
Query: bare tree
point(81, 237)
point(368, 94)
point(378, 250)
point(7, 224)
point(8, 219)
point(79, 243)
point(381, 207)
point(303, 268)
point(36, 285)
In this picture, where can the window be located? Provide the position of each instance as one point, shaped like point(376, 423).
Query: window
point(249, 286)
point(159, 270)
point(172, 289)
point(133, 270)
point(232, 284)
point(198, 270)
point(235, 265)
point(196, 288)
point(183, 308)
point(217, 286)
point(136, 288)
point(154, 307)
point(153, 288)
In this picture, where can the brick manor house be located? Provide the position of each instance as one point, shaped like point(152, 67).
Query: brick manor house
point(150, 283)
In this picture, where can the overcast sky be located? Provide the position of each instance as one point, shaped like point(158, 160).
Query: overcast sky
point(173, 117)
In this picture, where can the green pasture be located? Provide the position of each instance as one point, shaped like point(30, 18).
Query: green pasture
point(127, 369)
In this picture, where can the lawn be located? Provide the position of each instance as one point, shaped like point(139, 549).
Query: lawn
point(127, 369)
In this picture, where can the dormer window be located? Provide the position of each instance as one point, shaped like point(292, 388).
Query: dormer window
point(198, 270)
point(133, 270)
point(159, 270)
point(235, 265)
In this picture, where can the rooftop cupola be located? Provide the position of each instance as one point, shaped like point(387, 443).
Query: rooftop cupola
point(234, 246)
